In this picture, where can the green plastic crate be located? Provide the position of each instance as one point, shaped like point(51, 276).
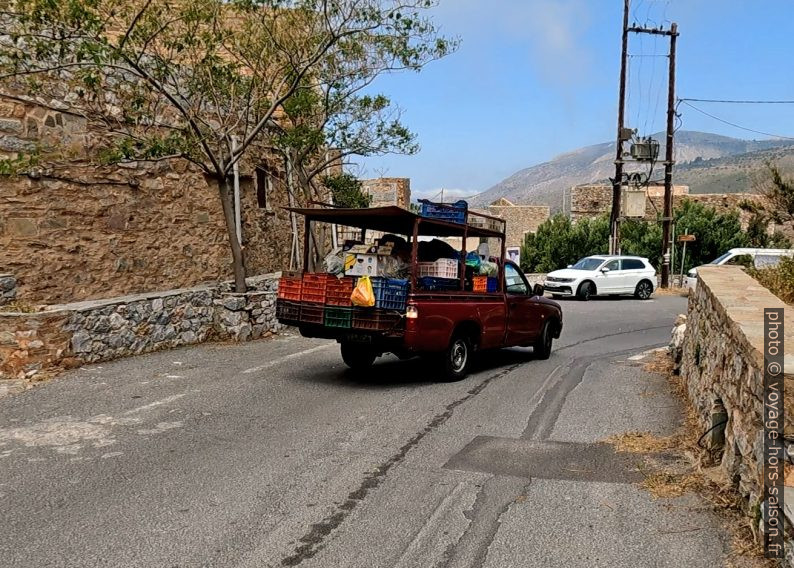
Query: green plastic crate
point(338, 317)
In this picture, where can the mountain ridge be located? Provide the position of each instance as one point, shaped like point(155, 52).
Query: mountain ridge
point(708, 163)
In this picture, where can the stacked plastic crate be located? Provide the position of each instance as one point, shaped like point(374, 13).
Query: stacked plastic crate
point(288, 302)
point(339, 310)
point(391, 295)
point(441, 275)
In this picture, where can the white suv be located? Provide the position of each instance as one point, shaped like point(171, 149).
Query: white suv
point(604, 276)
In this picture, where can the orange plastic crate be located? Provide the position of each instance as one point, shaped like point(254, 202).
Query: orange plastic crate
point(289, 288)
point(338, 291)
point(484, 284)
point(313, 289)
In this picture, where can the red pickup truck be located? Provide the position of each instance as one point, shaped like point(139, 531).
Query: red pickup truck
point(448, 326)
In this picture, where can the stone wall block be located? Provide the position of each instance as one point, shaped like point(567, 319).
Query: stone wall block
point(722, 358)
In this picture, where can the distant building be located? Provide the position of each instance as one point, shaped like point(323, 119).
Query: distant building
point(594, 200)
point(388, 191)
point(521, 219)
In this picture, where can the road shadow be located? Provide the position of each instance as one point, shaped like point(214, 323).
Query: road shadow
point(391, 372)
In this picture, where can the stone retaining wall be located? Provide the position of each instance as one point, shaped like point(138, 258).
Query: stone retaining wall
point(722, 360)
point(100, 330)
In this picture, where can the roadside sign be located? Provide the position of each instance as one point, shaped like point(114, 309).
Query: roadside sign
point(686, 238)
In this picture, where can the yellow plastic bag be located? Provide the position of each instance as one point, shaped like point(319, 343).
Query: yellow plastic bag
point(363, 295)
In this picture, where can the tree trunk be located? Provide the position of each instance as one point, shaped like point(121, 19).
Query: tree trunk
point(238, 263)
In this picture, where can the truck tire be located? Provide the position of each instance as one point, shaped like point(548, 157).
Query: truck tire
point(457, 358)
point(541, 349)
point(357, 357)
point(585, 291)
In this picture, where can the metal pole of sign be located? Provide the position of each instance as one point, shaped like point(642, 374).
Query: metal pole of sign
point(683, 258)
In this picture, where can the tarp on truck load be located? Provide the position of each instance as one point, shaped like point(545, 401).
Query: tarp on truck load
point(393, 219)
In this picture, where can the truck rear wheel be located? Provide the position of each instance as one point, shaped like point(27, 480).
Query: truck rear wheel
point(541, 349)
point(457, 358)
point(357, 357)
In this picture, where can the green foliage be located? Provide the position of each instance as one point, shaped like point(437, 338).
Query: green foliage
point(779, 280)
point(642, 238)
point(22, 163)
point(208, 70)
point(560, 242)
point(715, 232)
point(346, 191)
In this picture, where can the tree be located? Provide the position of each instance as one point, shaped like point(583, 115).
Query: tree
point(779, 193)
point(559, 242)
point(210, 81)
point(716, 232)
point(346, 191)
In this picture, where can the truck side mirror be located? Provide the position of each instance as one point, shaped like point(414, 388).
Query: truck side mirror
point(537, 290)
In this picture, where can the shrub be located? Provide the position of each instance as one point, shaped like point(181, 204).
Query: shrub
point(779, 279)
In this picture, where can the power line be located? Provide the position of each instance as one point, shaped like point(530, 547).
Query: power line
point(738, 102)
point(732, 123)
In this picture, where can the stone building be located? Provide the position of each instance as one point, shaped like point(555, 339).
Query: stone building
point(72, 230)
point(593, 200)
point(521, 219)
point(388, 191)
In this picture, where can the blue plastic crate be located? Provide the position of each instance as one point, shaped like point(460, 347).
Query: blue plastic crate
point(432, 284)
point(453, 213)
point(390, 293)
point(493, 284)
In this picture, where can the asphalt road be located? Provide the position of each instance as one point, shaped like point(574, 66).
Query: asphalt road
point(271, 454)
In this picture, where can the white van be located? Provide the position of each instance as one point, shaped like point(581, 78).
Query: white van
point(758, 257)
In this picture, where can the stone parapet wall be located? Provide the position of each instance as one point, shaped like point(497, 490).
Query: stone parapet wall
point(722, 360)
point(100, 330)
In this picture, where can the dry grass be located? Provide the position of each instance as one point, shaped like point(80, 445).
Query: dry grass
point(692, 471)
point(778, 280)
point(19, 307)
point(642, 443)
point(672, 291)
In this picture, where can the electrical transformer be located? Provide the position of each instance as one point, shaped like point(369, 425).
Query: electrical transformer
point(645, 150)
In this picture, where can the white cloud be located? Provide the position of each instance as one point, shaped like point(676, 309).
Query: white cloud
point(556, 29)
point(435, 194)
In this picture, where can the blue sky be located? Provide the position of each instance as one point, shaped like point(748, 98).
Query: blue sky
point(536, 78)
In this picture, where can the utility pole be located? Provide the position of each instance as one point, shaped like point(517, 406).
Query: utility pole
point(667, 220)
point(617, 182)
point(625, 134)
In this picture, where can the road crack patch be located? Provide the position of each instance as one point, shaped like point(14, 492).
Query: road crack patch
point(312, 541)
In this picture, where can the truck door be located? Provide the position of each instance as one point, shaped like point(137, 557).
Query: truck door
point(521, 311)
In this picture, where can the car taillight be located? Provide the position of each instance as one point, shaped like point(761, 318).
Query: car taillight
point(411, 312)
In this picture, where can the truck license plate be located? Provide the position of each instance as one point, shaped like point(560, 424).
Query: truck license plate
point(358, 338)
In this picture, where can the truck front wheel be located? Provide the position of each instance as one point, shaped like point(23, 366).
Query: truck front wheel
point(357, 357)
point(457, 358)
point(542, 346)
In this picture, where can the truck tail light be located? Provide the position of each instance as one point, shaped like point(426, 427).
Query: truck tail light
point(411, 312)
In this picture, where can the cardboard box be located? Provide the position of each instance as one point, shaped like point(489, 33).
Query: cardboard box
point(366, 260)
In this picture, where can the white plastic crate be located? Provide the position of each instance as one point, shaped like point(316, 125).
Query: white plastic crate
point(484, 223)
point(442, 268)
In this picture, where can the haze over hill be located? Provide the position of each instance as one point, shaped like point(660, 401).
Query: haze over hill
point(708, 163)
